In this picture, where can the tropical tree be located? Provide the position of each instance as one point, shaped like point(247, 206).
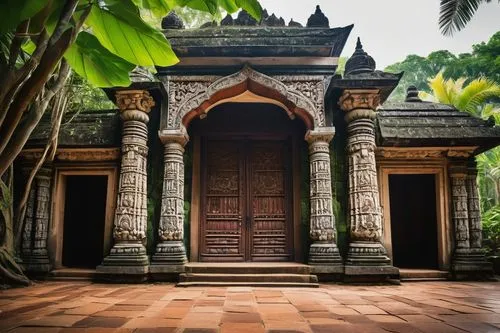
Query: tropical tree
point(41, 41)
point(455, 14)
point(474, 99)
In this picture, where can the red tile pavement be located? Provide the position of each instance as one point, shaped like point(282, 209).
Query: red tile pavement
point(140, 308)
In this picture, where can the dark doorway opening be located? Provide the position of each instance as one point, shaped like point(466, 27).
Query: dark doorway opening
point(84, 219)
point(413, 221)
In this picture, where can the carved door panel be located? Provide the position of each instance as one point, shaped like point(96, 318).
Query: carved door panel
point(268, 202)
point(245, 201)
point(223, 235)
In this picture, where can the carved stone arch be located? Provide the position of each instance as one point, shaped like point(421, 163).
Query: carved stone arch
point(301, 96)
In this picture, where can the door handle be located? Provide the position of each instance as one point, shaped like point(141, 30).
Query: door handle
point(248, 222)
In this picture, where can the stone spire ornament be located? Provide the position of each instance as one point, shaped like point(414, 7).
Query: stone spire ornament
point(412, 94)
point(172, 21)
point(318, 20)
point(360, 61)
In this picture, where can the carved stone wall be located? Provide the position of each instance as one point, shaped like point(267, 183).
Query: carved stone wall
point(188, 93)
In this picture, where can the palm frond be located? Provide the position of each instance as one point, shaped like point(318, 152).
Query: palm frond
point(440, 88)
point(455, 14)
point(476, 93)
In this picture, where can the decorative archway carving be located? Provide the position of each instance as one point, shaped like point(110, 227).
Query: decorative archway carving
point(191, 96)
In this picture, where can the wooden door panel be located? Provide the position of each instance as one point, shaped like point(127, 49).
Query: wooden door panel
point(267, 194)
point(222, 232)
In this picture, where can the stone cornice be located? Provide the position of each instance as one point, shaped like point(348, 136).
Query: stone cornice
point(74, 155)
point(424, 152)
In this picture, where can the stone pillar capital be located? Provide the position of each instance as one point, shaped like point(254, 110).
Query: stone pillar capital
point(173, 136)
point(359, 103)
point(458, 169)
point(320, 134)
point(134, 104)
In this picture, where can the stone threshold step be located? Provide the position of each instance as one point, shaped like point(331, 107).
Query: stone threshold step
point(249, 284)
point(248, 268)
point(418, 274)
point(219, 277)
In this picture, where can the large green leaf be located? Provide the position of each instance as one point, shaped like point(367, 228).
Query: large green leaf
point(159, 8)
point(16, 11)
point(229, 5)
point(121, 30)
point(100, 67)
point(251, 6)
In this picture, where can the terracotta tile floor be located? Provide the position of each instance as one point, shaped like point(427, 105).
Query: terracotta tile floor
point(412, 307)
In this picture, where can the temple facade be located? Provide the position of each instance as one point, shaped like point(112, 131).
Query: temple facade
point(252, 152)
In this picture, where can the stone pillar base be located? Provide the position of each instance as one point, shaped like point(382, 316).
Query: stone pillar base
point(126, 262)
point(170, 253)
point(36, 264)
point(325, 254)
point(471, 266)
point(367, 261)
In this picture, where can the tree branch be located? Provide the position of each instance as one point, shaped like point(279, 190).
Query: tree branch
point(30, 90)
point(17, 142)
point(15, 45)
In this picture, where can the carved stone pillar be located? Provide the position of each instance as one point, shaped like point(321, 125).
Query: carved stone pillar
point(128, 255)
point(468, 258)
point(34, 246)
point(367, 257)
point(170, 255)
point(323, 251)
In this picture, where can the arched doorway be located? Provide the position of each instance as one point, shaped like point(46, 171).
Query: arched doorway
point(247, 153)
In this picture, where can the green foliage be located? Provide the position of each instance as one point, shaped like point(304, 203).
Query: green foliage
point(114, 37)
point(484, 61)
point(455, 14)
point(90, 59)
point(16, 11)
point(491, 230)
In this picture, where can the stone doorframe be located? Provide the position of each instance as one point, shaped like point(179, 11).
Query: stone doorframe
point(438, 169)
point(56, 229)
point(421, 160)
point(299, 95)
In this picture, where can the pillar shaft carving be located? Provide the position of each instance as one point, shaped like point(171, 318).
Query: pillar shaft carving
point(365, 213)
point(364, 204)
point(130, 222)
point(34, 244)
point(322, 223)
point(170, 249)
point(475, 228)
point(460, 212)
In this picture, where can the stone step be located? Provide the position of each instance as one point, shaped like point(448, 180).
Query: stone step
point(72, 274)
point(247, 268)
point(249, 284)
point(407, 275)
point(289, 278)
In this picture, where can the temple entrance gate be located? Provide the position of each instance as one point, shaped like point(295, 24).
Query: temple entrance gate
point(246, 201)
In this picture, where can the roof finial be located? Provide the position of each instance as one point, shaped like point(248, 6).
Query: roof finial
point(318, 19)
point(360, 61)
point(359, 46)
point(412, 94)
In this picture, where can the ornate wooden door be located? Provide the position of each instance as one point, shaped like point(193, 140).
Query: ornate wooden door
point(245, 201)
